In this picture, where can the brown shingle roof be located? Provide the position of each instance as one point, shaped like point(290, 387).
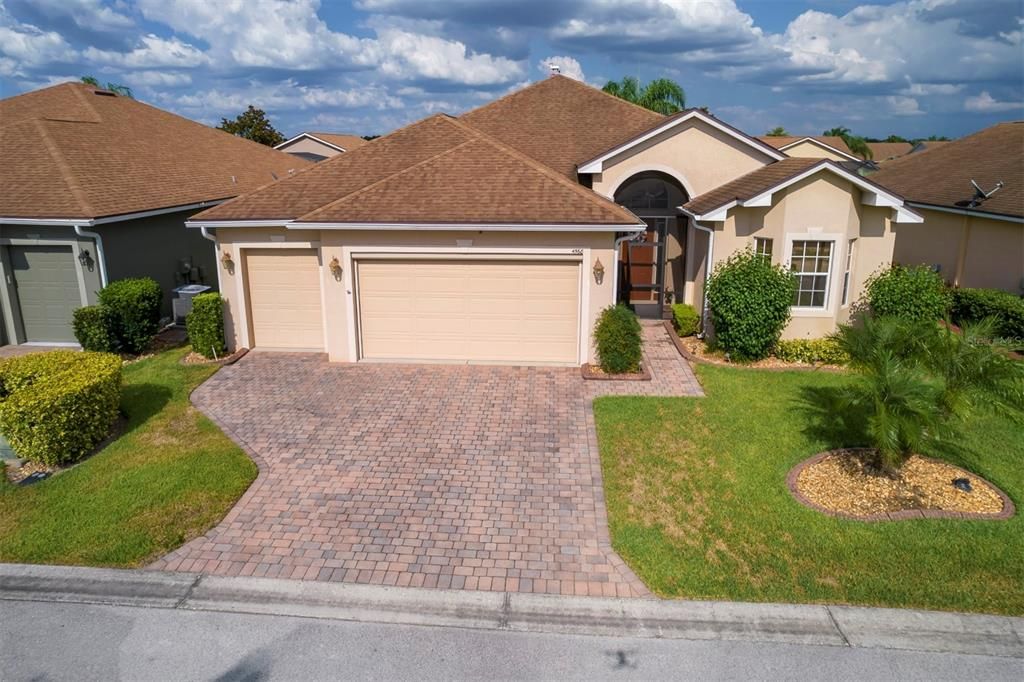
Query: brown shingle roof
point(750, 185)
point(885, 151)
point(346, 142)
point(780, 141)
point(941, 175)
point(438, 170)
point(561, 122)
point(72, 151)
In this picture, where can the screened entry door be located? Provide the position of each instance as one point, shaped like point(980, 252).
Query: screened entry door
point(645, 268)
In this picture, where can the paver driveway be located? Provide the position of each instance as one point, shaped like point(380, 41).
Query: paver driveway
point(424, 475)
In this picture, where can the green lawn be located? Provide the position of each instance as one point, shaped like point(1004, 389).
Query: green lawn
point(698, 505)
point(168, 478)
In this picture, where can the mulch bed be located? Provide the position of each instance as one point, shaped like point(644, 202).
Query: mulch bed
point(194, 358)
point(695, 350)
point(844, 483)
point(595, 373)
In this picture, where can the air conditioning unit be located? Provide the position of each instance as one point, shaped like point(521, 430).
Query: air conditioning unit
point(181, 304)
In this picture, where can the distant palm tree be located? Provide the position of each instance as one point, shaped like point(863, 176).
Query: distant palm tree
point(661, 94)
point(857, 145)
point(777, 131)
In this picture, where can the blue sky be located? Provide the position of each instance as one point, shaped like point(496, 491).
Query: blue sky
point(909, 67)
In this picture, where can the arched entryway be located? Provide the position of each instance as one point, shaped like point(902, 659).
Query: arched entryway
point(651, 270)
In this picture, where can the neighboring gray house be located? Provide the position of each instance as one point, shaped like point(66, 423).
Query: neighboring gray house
point(95, 187)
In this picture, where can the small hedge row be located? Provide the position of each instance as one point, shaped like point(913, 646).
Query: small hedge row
point(619, 340)
point(56, 407)
point(205, 325)
point(811, 351)
point(974, 305)
point(686, 318)
point(126, 319)
point(913, 294)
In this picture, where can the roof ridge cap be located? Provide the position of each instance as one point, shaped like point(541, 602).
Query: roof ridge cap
point(365, 188)
point(537, 165)
point(65, 170)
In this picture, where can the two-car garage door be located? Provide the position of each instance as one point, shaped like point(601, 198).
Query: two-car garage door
point(469, 310)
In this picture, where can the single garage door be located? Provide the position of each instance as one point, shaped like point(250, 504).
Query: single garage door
point(46, 278)
point(483, 311)
point(284, 299)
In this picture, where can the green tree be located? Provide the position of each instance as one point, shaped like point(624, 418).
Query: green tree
point(858, 145)
point(116, 88)
point(917, 382)
point(896, 138)
point(661, 94)
point(777, 131)
point(253, 124)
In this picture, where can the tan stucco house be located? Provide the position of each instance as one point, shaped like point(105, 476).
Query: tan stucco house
point(973, 240)
point(498, 236)
point(830, 147)
point(320, 146)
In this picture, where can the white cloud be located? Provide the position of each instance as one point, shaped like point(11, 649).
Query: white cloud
point(153, 52)
point(410, 55)
point(926, 89)
point(24, 46)
point(282, 96)
point(157, 79)
point(88, 14)
point(986, 104)
point(901, 105)
point(567, 66)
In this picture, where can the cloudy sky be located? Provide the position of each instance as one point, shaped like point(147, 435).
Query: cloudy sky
point(910, 67)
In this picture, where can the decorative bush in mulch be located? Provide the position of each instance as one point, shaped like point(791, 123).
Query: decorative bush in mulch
point(845, 483)
point(695, 350)
point(594, 372)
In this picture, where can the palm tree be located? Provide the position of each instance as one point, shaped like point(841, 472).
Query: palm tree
point(661, 94)
point(917, 382)
point(858, 145)
point(777, 131)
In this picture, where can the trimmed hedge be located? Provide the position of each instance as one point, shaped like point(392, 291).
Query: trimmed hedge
point(916, 293)
point(619, 340)
point(811, 351)
point(94, 328)
point(686, 318)
point(205, 325)
point(974, 305)
point(56, 407)
point(135, 306)
point(749, 299)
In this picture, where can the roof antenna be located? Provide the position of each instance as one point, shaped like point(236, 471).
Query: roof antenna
point(555, 69)
point(981, 195)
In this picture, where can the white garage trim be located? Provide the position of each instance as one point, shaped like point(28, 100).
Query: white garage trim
point(242, 313)
point(351, 256)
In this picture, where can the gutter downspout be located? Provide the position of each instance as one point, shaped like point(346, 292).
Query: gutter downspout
point(615, 272)
point(707, 275)
point(101, 257)
point(205, 231)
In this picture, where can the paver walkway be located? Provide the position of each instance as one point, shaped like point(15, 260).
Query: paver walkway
point(453, 476)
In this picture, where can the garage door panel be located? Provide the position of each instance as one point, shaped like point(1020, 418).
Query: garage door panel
point(47, 289)
point(498, 311)
point(284, 298)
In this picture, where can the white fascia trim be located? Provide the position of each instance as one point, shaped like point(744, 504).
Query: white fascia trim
point(821, 144)
point(957, 211)
point(47, 222)
point(236, 223)
point(308, 137)
point(492, 227)
point(597, 165)
point(716, 215)
point(157, 211)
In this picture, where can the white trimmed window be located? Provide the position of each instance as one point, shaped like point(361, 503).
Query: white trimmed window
point(846, 273)
point(811, 263)
point(763, 247)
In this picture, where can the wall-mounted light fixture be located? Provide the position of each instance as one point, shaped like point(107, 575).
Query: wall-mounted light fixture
point(598, 271)
point(225, 260)
point(84, 257)
point(335, 266)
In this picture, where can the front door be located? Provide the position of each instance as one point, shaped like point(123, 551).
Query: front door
point(645, 268)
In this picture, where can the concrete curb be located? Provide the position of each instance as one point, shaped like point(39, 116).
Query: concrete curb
point(697, 620)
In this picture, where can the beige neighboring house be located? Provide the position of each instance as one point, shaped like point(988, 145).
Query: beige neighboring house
point(320, 146)
point(830, 147)
point(96, 187)
point(499, 236)
point(973, 241)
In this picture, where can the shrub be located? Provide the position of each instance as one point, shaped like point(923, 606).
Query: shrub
point(974, 305)
point(811, 351)
point(55, 407)
point(686, 318)
point(916, 293)
point(94, 328)
point(205, 324)
point(619, 341)
point(749, 299)
point(135, 307)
